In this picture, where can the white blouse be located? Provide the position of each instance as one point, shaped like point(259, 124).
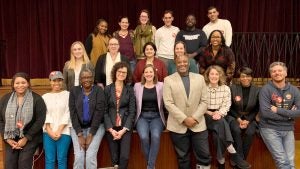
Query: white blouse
point(57, 111)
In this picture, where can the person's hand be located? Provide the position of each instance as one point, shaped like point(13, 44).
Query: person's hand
point(114, 133)
point(22, 142)
point(274, 109)
point(81, 141)
point(216, 116)
point(88, 140)
point(57, 135)
point(120, 133)
point(189, 122)
point(13, 144)
point(51, 134)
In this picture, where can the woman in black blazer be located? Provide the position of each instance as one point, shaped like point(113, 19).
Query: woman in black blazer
point(119, 114)
point(243, 111)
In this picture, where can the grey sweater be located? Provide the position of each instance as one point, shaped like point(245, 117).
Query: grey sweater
point(284, 99)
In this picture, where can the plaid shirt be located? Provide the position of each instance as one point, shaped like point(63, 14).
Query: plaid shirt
point(219, 99)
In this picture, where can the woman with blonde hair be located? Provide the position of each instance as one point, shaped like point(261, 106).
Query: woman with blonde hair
point(219, 102)
point(78, 60)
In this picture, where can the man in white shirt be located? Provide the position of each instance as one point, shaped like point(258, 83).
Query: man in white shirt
point(165, 38)
point(221, 24)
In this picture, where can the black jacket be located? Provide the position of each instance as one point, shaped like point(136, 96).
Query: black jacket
point(33, 130)
point(252, 107)
point(127, 108)
point(96, 105)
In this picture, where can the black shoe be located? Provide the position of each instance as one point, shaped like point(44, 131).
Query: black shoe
point(239, 161)
point(221, 166)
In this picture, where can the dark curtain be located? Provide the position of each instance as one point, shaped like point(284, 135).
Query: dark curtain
point(37, 34)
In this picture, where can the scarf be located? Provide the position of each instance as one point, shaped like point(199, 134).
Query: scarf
point(17, 117)
point(142, 37)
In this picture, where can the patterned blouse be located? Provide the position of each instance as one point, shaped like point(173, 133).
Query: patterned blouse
point(224, 58)
point(219, 99)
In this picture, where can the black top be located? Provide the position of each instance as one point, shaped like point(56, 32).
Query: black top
point(149, 102)
point(96, 108)
point(246, 91)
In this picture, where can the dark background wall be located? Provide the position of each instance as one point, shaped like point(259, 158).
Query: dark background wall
point(37, 34)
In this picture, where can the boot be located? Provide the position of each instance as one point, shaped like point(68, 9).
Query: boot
point(202, 166)
point(235, 158)
point(221, 166)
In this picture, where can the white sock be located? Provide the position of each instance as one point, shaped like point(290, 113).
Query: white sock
point(221, 161)
point(231, 149)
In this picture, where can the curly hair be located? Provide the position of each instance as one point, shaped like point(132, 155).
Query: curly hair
point(118, 66)
point(222, 38)
point(222, 76)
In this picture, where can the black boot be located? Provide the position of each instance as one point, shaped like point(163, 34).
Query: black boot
point(239, 161)
point(221, 166)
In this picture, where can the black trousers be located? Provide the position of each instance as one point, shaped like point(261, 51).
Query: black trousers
point(20, 159)
point(221, 133)
point(243, 138)
point(119, 149)
point(199, 142)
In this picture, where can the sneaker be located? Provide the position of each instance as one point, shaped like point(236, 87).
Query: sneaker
point(235, 158)
point(221, 166)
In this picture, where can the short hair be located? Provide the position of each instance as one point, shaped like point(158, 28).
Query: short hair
point(219, 69)
point(155, 79)
point(113, 38)
point(96, 31)
point(245, 70)
point(118, 66)
point(222, 37)
point(22, 75)
point(277, 63)
point(151, 44)
point(84, 70)
point(184, 46)
point(212, 7)
point(168, 11)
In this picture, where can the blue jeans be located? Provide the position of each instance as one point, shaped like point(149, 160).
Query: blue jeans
point(132, 64)
point(150, 123)
point(281, 144)
point(56, 149)
point(89, 157)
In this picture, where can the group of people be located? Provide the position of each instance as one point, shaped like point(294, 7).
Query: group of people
point(149, 80)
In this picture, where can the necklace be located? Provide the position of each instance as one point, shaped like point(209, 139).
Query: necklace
point(123, 34)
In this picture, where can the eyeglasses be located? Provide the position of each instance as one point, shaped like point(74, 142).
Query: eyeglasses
point(215, 37)
point(86, 77)
point(113, 44)
point(121, 72)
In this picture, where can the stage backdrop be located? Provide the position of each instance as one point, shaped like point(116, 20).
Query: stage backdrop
point(36, 35)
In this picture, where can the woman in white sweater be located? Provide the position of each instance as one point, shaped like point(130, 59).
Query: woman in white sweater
point(56, 135)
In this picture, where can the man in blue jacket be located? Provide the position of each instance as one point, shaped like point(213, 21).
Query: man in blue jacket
point(279, 105)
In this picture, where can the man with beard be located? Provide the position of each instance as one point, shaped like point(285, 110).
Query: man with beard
point(279, 105)
point(185, 98)
point(193, 38)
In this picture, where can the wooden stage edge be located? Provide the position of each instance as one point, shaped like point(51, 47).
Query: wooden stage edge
point(259, 156)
